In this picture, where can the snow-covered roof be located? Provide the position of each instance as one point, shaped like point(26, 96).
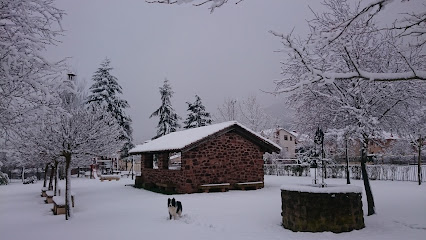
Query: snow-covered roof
point(271, 131)
point(390, 135)
point(177, 141)
point(300, 137)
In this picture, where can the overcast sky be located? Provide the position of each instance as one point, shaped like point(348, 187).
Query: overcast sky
point(225, 54)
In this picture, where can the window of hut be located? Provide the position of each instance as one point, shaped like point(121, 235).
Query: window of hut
point(175, 161)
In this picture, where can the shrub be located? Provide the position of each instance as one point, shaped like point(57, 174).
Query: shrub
point(4, 179)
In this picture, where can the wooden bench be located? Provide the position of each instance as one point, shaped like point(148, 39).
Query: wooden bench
point(166, 186)
point(43, 191)
point(59, 204)
point(249, 185)
point(49, 196)
point(217, 186)
point(109, 177)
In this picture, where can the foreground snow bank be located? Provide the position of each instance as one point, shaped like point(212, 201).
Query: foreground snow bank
point(111, 210)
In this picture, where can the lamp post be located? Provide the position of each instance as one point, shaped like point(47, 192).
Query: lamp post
point(348, 181)
point(319, 139)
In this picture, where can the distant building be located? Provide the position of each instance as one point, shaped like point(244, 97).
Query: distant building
point(381, 144)
point(105, 165)
point(284, 138)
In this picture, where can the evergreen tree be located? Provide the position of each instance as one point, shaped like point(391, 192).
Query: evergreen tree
point(197, 116)
point(104, 92)
point(168, 118)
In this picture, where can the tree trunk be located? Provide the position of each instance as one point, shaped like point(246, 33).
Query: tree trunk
point(56, 178)
point(419, 161)
point(23, 174)
point(348, 181)
point(133, 167)
point(45, 174)
point(91, 172)
point(368, 192)
point(52, 171)
point(68, 211)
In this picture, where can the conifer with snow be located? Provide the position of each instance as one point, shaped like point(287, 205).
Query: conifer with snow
point(104, 93)
point(168, 118)
point(197, 116)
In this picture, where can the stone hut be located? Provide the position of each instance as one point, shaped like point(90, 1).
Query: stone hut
point(224, 155)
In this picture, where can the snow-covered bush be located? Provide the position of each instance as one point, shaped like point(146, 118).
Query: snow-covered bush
point(32, 179)
point(4, 179)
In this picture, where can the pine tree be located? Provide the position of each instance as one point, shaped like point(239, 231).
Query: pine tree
point(197, 116)
point(168, 118)
point(104, 92)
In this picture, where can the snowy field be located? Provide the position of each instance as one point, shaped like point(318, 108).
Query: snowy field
point(111, 210)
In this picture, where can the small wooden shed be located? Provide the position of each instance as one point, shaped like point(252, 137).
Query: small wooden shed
point(226, 154)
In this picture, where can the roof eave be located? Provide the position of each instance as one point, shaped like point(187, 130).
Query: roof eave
point(155, 152)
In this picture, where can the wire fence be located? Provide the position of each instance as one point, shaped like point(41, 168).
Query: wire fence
point(299, 170)
point(375, 172)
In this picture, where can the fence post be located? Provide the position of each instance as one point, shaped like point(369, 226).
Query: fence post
point(419, 162)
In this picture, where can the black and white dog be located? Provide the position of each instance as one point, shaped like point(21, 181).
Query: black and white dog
point(175, 208)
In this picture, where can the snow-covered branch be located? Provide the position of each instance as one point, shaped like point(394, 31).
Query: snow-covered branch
point(344, 45)
point(27, 80)
point(213, 3)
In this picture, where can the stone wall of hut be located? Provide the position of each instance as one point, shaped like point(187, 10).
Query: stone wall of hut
point(228, 158)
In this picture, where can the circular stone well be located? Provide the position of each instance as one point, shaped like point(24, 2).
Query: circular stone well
point(309, 208)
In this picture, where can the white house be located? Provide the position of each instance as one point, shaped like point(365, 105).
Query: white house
point(284, 138)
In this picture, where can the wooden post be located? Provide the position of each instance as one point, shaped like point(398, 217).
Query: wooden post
point(348, 181)
point(133, 167)
point(68, 211)
point(56, 177)
point(52, 171)
point(46, 168)
point(419, 160)
point(368, 192)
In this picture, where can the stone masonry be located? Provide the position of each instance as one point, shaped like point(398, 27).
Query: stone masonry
point(319, 212)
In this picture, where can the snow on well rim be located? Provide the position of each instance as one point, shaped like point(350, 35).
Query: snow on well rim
point(331, 188)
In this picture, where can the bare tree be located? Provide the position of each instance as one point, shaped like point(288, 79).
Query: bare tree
point(361, 108)
point(406, 24)
point(213, 3)
point(328, 87)
point(253, 114)
point(335, 37)
point(414, 130)
point(74, 132)
point(247, 111)
point(228, 111)
point(27, 79)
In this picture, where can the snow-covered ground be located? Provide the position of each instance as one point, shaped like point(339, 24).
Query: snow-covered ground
point(111, 210)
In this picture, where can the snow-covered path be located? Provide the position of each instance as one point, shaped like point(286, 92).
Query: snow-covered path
point(111, 210)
